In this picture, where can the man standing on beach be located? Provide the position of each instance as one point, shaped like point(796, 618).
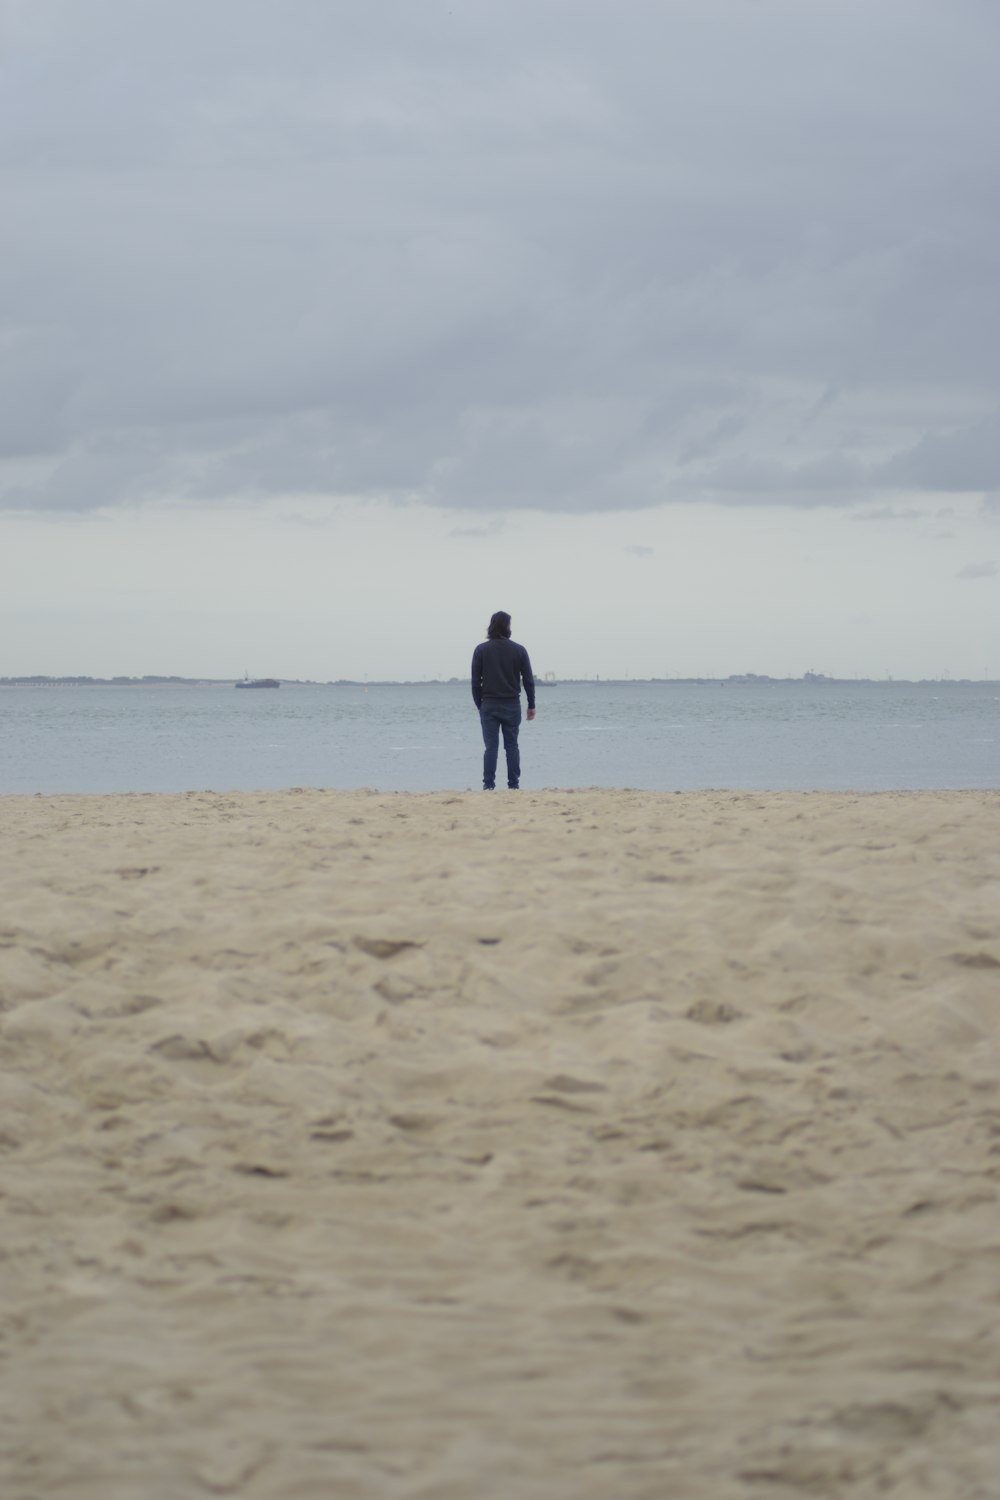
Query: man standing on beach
point(499, 666)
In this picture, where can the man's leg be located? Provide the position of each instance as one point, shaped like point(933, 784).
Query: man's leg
point(511, 723)
point(491, 739)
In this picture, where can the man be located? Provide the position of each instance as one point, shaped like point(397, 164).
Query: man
point(499, 666)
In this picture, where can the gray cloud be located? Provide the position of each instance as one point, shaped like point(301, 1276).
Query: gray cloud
point(967, 459)
point(978, 570)
point(886, 513)
point(497, 255)
point(638, 550)
point(490, 528)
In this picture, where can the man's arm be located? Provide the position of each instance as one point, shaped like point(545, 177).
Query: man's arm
point(528, 678)
point(477, 677)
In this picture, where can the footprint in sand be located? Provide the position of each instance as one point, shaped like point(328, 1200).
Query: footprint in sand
point(713, 1013)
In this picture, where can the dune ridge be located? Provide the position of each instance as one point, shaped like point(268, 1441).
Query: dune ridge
point(437, 1145)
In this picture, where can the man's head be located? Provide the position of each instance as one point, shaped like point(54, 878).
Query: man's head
point(499, 626)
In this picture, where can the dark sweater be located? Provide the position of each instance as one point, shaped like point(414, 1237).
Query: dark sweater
point(498, 669)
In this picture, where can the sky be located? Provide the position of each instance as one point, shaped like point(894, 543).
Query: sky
point(328, 327)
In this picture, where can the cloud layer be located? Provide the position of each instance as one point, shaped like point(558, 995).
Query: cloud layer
point(497, 254)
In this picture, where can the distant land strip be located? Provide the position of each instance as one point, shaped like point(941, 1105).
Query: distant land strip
point(735, 679)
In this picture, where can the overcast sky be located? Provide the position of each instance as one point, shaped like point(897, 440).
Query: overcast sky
point(327, 327)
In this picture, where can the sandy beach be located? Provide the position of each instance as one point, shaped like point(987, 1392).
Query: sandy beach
point(551, 1146)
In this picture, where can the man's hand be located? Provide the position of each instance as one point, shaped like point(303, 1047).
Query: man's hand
point(531, 713)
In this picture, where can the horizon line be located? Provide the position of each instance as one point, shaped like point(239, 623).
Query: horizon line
point(543, 680)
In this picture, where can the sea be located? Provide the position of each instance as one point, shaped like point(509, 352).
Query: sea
point(662, 736)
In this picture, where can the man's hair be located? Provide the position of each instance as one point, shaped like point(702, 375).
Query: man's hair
point(499, 626)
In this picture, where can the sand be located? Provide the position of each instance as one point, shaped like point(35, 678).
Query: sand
point(586, 1145)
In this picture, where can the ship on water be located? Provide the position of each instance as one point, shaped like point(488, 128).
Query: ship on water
point(257, 682)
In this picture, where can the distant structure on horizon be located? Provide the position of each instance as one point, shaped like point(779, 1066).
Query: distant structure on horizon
point(257, 682)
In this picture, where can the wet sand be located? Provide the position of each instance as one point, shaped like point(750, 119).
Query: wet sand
point(550, 1146)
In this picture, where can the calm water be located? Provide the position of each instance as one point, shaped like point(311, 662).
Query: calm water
point(426, 737)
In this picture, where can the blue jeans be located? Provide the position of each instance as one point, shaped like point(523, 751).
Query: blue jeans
point(495, 715)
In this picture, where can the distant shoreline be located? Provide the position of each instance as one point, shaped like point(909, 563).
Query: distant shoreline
point(739, 679)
